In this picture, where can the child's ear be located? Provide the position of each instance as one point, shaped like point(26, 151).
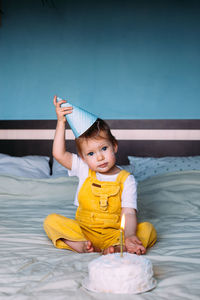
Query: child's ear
point(115, 148)
point(81, 155)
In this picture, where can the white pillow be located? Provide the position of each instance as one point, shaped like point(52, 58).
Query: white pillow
point(32, 166)
point(58, 170)
point(144, 167)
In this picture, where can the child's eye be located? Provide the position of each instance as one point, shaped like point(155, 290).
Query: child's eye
point(90, 153)
point(104, 148)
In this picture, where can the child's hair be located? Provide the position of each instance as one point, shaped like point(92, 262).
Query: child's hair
point(95, 131)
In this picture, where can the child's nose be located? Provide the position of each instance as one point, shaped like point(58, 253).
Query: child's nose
point(100, 156)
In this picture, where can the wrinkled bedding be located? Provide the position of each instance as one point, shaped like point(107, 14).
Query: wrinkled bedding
point(31, 268)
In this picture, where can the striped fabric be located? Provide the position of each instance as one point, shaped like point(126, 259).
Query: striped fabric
point(136, 137)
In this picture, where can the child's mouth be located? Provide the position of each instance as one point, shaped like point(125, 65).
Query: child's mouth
point(103, 165)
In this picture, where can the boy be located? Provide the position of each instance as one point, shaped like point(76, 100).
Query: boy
point(104, 193)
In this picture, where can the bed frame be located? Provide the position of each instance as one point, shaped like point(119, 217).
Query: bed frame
point(154, 138)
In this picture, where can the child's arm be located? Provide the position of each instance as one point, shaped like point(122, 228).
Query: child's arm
point(132, 243)
point(59, 149)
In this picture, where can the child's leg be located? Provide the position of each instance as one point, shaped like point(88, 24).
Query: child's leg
point(80, 247)
point(147, 234)
point(66, 234)
point(112, 242)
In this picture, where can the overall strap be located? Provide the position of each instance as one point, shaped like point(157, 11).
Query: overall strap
point(121, 178)
point(91, 174)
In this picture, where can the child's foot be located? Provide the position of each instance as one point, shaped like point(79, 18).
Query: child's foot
point(109, 250)
point(80, 247)
point(112, 249)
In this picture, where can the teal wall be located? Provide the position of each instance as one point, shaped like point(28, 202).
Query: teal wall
point(118, 59)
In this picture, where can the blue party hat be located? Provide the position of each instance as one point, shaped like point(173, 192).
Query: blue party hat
point(79, 120)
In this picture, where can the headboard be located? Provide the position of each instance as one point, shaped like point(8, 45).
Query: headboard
point(155, 138)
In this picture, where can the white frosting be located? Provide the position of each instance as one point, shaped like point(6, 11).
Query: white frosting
point(130, 274)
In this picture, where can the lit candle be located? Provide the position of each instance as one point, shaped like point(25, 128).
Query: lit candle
point(121, 234)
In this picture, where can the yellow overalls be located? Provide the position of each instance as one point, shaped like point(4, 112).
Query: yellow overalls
point(97, 217)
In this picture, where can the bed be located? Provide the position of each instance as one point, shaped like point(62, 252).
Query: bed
point(164, 156)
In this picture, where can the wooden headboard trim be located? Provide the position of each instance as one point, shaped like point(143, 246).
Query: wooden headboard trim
point(120, 134)
point(114, 124)
point(135, 137)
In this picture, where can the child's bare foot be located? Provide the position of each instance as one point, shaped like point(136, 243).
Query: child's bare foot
point(109, 250)
point(80, 247)
point(112, 249)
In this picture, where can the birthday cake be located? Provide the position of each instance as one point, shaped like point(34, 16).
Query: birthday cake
point(130, 274)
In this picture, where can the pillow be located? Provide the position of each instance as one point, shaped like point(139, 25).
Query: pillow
point(128, 168)
point(144, 167)
point(58, 170)
point(31, 166)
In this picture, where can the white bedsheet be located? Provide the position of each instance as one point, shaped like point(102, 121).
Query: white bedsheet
point(31, 268)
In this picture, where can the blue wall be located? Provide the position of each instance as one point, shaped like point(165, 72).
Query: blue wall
point(118, 59)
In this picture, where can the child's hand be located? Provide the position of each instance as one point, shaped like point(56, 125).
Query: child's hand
point(134, 245)
point(61, 111)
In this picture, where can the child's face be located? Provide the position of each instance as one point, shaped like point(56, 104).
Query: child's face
point(99, 154)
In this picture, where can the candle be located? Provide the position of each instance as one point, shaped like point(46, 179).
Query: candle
point(121, 234)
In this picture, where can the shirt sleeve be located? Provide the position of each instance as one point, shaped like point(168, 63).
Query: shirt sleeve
point(79, 168)
point(129, 193)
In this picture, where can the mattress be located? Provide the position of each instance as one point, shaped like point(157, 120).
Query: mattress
point(32, 268)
